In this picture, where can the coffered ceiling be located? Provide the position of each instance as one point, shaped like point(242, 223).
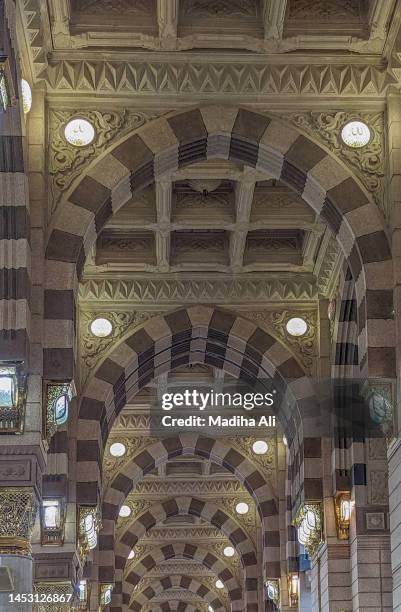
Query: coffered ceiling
point(216, 217)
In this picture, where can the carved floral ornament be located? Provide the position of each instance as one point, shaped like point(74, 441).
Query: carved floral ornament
point(94, 348)
point(368, 162)
point(66, 162)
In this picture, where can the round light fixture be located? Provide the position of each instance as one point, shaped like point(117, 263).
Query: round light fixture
point(219, 584)
point(131, 555)
point(242, 508)
point(124, 511)
point(229, 551)
point(118, 449)
point(26, 92)
point(101, 328)
point(297, 326)
point(356, 134)
point(79, 132)
point(260, 447)
point(210, 609)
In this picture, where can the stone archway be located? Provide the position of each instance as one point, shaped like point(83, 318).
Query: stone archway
point(211, 514)
point(258, 141)
point(177, 551)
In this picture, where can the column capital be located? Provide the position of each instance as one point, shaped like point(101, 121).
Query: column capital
point(18, 507)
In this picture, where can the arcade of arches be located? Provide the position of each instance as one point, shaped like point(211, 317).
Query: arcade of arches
point(186, 200)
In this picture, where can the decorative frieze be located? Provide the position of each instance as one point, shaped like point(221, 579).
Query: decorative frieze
point(144, 291)
point(189, 78)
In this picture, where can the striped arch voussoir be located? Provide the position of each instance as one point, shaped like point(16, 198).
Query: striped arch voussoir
point(186, 506)
point(259, 141)
point(185, 583)
point(177, 550)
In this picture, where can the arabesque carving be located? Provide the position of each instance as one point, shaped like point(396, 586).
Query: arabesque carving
point(67, 162)
point(93, 348)
point(367, 162)
point(304, 347)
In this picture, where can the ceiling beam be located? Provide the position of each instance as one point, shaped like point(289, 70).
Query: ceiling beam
point(273, 15)
point(167, 19)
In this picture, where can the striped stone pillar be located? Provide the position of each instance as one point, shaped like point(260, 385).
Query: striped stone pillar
point(394, 452)
point(15, 283)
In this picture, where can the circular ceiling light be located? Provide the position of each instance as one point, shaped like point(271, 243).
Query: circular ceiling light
point(260, 447)
point(356, 134)
point(124, 511)
point(101, 328)
point(242, 508)
point(26, 92)
point(210, 609)
point(79, 132)
point(229, 551)
point(297, 326)
point(131, 555)
point(219, 584)
point(118, 449)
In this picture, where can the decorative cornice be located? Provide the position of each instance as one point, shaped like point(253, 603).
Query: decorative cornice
point(206, 77)
point(143, 291)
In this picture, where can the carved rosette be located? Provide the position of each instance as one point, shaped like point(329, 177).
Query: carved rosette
point(18, 508)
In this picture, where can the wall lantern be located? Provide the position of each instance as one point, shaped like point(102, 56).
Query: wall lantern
point(88, 529)
point(309, 527)
point(293, 590)
point(83, 593)
point(57, 398)
point(343, 507)
point(105, 591)
point(273, 591)
point(12, 397)
point(52, 521)
point(7, 93)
